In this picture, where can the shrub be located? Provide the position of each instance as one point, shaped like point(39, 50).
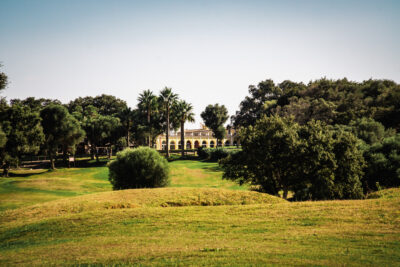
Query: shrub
point(213, 154)
point(141, 167)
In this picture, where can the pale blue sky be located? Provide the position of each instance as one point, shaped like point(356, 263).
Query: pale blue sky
point(207, 51)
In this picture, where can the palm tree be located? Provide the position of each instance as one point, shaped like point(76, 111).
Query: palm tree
point(148, 103)
point(126, 117)
point(184, 112)
point(167, 100)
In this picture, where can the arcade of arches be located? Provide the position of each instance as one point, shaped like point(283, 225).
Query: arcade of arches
point(196, 138)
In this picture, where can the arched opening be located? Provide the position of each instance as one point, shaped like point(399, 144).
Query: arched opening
point(172, 145)
point(212, 144)
point(180, 145)
point(227, 143)
point(204, 144)
point(164, 143)
point(235, 143)
point(196, 144)
point(188, 145)
point(219, 143)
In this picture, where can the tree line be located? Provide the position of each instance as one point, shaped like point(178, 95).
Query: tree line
point(46, 126)
point(328, 139)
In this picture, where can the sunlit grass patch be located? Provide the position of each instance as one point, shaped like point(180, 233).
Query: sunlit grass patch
point(327, 233)
point(194, 173)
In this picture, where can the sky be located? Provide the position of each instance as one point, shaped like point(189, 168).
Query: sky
point(207, 51)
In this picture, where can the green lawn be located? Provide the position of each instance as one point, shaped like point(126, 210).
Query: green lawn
point(27, 187)
point(194, 222)
point(194, 173)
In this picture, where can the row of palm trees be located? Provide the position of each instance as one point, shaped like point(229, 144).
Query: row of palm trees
point(169, 104)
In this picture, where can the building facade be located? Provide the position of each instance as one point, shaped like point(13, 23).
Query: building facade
point(196, 138)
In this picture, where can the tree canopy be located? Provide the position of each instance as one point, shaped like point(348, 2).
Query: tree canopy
point(214, 117)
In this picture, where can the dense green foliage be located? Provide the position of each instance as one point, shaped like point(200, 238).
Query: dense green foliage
point(313, 161)
point(383, 160)
point(214, 154)
point(141, 167)
point(3, 80)
point(22, 134)
point(214, 117)
point(61, 129)
point(331, 101)
point(369, 110)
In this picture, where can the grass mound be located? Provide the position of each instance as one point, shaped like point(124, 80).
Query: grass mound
point(386, 193)
point(135, 198)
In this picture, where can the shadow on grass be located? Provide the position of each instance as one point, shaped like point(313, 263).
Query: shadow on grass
point(24, 175)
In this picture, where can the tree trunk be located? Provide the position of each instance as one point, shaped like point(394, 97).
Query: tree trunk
point(148, 124)
point(91, 152)
point(127, 135)
point(109, 153)
point(6, 169)
point(97, 154)
point(65, 156)
point(183, 138)
point(167, 132)
point(52, 165)
point(285, 192)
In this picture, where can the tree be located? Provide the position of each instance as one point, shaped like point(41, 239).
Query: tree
point(3, 80)
point(141, 167)
point(35, 104)
point(100, 130)
point(167, 100)
point(73, 135)
point(383, 161)
point(61, 130)
point(184, 112)
point(252, 107)
point(22, 134)
point(269, 158)
point(313, 161)
point(330, 164)
point(148, 104)
point(107, 105)
point(368, 130)
point(214, 117)
point(126, 118)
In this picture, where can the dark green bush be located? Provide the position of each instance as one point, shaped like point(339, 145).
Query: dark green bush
point(203, 153)
point(141, 167)
point(213, 154)
point(218, 153)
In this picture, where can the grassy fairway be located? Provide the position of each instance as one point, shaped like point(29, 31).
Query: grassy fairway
point(27, 187)
point(361, 232)
point(194, 173)
point(197, 221)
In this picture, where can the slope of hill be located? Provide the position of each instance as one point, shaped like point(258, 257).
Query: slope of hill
point(137, 198)
point(328, 233)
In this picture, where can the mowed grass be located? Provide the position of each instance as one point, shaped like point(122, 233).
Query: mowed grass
point(325, 233)
point(28, 187)
point(72, 217)
point(194, 173)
